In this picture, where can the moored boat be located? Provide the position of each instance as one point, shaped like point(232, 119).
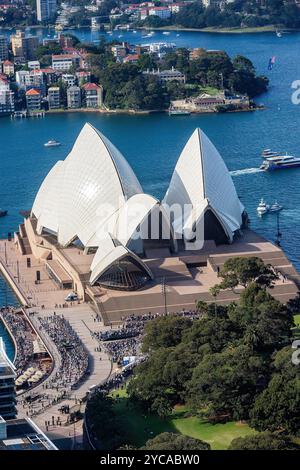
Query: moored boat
point(178, 112)
point(262, 207)
point(52, 143)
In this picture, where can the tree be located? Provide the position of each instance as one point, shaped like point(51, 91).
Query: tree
point(242, 271)
point(172, 441)
point(102, 422)
point(165, 332)
point(277, 407)
point(264, 441)
point(225, 384)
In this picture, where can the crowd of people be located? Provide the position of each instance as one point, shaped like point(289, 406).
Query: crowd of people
point(127, 339)
point(22, 333)
point(74, 356)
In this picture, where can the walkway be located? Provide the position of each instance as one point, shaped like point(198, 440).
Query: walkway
point(83, 321)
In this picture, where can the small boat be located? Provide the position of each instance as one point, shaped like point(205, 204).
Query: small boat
point(179, 112)
point(279, 34)
point(262, 208)
point(166, 33)
point(275, 207)
point(134, 31)
point(52, 143)
point(3, 213)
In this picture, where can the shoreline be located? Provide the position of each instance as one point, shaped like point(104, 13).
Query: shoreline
point(210, 30)
point(129, 112)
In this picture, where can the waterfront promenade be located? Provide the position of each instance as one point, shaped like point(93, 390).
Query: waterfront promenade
point(43, 300)
point(83, 320)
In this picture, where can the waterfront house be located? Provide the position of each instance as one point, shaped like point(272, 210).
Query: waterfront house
point(33, 100)
point(54, 98)
point(7, 103)
point(93, 95)
point(74, 97)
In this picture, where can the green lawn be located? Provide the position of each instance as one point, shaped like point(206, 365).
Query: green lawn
point(139, 427)
point(297, 320)
point(210, 90)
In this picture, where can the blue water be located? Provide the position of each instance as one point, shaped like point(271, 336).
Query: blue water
point(152, 143)
point(9, 346)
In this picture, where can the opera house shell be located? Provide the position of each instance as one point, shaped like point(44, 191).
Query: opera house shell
point(85, 200)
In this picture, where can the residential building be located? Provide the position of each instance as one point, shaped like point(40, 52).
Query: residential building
point(65, 62)
point(34, 64)
point(7, 103)
point(69, 79)
point(33, 100)
point(167, 75)
point(21, 78)
point(24, 46)
point(131, 59)
point(54, 98)
point(3, 48)
point(46, 10)
point(119, 51)
point(7, 385)
point(74, 97)
point(162, 12)
point(8, 67)
point(93, 95)
point(83, 77)
point(32, 43)
point(18, 44)
point(23, 434)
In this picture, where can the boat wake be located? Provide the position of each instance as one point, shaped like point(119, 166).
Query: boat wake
point(246, 171)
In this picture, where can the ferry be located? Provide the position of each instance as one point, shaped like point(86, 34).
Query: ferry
point(52, 143)
point(280, 162)
point(179, 112)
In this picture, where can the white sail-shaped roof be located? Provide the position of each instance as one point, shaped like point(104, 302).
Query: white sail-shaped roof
point(201, 181)
point(78, 194)
point(87, 197)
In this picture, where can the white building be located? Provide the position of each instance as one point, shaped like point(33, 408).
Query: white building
point(69, 79)
point(54, 98)
point(94, 201)
point(202, 183)
point(162, 12)
point(171, 75)
point(7, 103)
point(65, 62)
point(74, 97)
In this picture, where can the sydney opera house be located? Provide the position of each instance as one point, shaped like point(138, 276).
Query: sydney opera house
point(96, 232)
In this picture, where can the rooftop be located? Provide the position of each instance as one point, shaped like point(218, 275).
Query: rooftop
point(32, 92)
point(23, 434)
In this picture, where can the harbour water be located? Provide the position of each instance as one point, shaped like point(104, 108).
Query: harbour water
point(152, 143)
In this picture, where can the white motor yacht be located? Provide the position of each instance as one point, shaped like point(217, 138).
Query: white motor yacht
point(262, 208)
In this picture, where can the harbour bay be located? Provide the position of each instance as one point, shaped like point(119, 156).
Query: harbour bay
point(152, 143)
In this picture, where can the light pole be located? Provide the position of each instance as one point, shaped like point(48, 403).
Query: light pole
point(164, 292)
point(278, 234)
